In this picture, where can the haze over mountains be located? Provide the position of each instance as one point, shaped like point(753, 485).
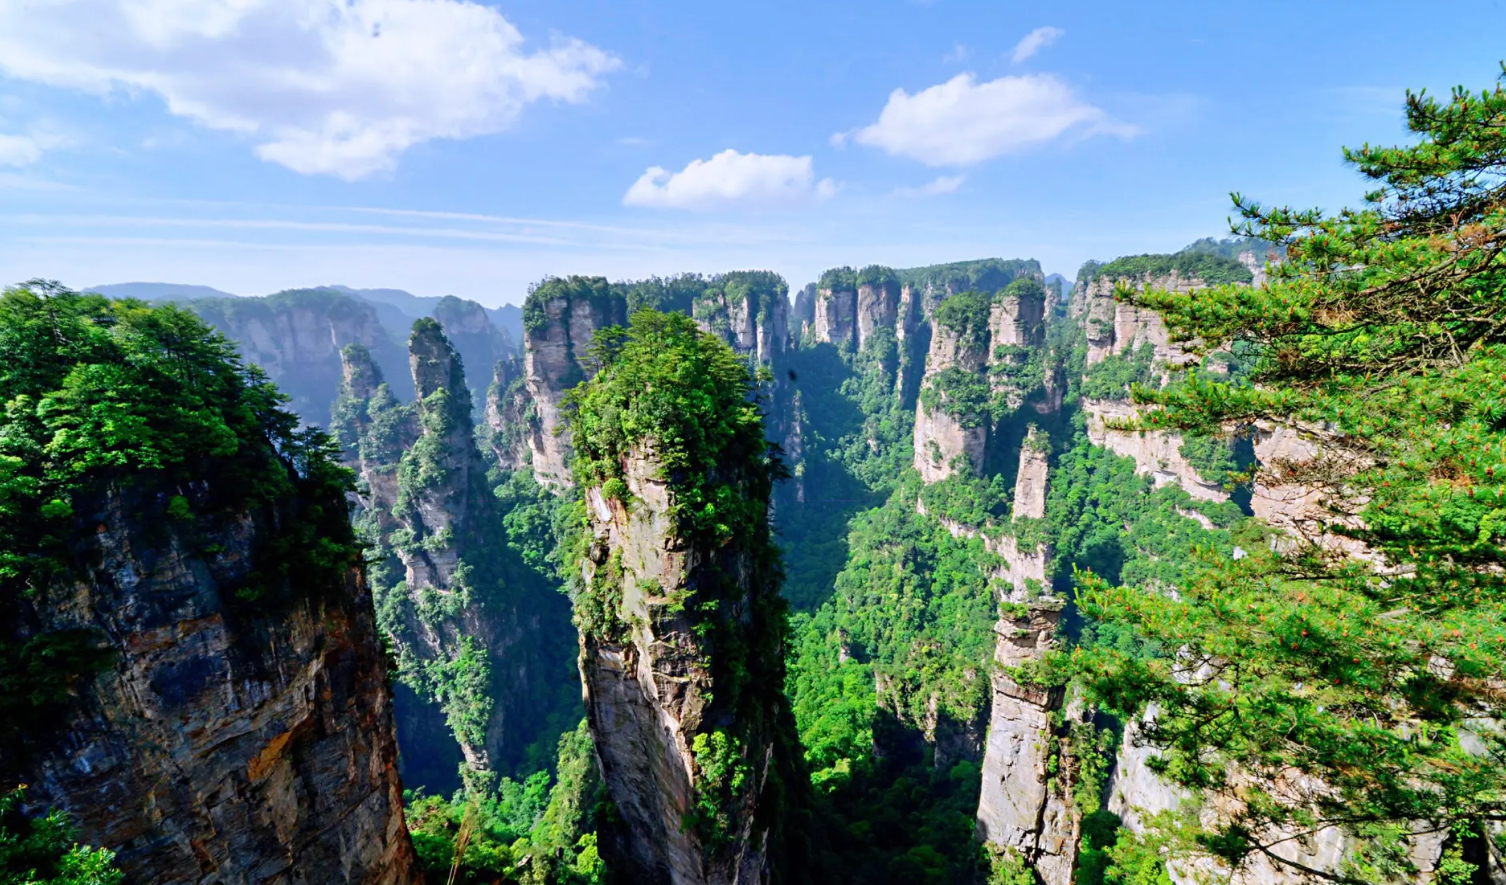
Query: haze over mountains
point(397, 308)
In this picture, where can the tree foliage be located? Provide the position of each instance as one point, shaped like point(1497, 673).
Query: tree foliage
point(1348, 675)
point(40, 850)
point(98, 392)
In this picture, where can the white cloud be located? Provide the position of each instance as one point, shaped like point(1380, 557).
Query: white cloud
point(731, 179)
point(959, 53)
point(322, 86)
point(23, 150)
point(962, 122)
point(944, 184)
point(1034, 42)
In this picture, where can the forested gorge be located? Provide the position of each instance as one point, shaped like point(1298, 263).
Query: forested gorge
point(1189, 571)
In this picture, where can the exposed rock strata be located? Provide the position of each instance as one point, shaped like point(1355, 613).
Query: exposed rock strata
point(1157, 454)
point(560, 322)
point(877, 308)
point(1022, 806)
point(229, 742)
point(508, 415)
point(754, 326)
point(460, 603)
point(650, 691)
point(835, 315)
point(1116, 326)
point(1137, 794)
point(1016, 327)
point(946, 443)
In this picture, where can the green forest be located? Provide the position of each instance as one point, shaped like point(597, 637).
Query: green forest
point(1267, 580)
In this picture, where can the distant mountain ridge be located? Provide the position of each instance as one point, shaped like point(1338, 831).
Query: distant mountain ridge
point(159, 291)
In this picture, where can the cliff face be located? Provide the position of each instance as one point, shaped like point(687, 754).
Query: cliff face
point(1156, 454)
point(508, 415)
point(476, 639)
point(649, 691)
point(947, 437)
point(1016, 329)
point(1114, 327)
point(877, 308)
point(560, 319)
point(479, 343)
point(297, 337)
point(681, 627)
point(835, 315)
point(230, 741)
point(754, 324)
point(1024, 806)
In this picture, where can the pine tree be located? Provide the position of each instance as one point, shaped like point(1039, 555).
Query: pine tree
point(1350, 675)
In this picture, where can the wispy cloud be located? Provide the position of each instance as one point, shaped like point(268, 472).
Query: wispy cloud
point(942, 184)
point(1034, 42)
point(26, 149)
point(959, 53)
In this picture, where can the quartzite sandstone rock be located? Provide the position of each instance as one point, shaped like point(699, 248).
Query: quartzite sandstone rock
point(229, 742)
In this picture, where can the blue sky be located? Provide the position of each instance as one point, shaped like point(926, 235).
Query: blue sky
point(445, 146)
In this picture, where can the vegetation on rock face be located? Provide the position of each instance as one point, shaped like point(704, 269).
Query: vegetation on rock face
point(1211, 268)
point(574, 288)
point(1375, 677)
point(838, 279)
point(965, 315)
point(674, 397)
point(100, 392)
point(665, 384)
point(1114, 376)
point(425, 457)
point(528, 832)
point(40, 850)
point(986, 275)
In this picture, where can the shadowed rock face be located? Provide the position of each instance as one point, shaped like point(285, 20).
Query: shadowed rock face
point(297, 337)
point(480, 343)
point(230, 741)
point(456, 598)
point(506, 415)
point(651, 693)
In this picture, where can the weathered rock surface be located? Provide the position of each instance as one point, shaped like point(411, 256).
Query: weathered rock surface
point(1016, 327)
point(877, 308)
point(753, 326)
point(459, 599)
point(507, 415)
point(1022, 806)
point(1156, 454)
point(229, 742)
point(560, 323)
point(297, 337)
point(1115, 327)
point(945, 443)
point(1137, 793)
point(650, 690)
point(835, 315)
